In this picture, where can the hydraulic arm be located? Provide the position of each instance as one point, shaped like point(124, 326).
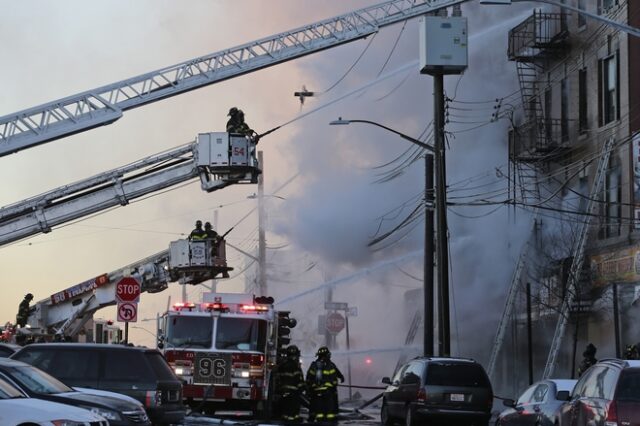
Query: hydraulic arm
point(219, 159)
point(106, 104)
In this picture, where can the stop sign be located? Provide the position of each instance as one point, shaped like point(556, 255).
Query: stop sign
point(335, 323)
point(128, 290)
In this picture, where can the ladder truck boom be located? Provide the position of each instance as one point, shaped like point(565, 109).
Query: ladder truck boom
point(106, 104)
point(219, 159)
point(188, 262)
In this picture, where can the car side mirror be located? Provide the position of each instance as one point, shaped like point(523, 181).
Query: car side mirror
point(509, 403)
point(563, 395)
point(386, 381)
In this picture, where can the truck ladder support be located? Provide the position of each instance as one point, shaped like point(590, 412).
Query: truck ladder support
point(106, 104)
point(578, 260)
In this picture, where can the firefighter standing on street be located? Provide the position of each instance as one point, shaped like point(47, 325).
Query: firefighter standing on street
point(589, 359)
point(322, 386)
point(290, 385)
point(23, 311)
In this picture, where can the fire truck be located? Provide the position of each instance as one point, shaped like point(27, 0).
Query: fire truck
point(225, 349)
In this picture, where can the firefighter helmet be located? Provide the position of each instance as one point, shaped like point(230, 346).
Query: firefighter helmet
point(207, 225)
point(293, 351)
point(233, 111)
point(29, 296)
point(198, 223)
point(323, 351)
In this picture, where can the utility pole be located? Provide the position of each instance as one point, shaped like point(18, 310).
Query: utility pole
point(443, 50)
point(262, 245)
point(428, 310)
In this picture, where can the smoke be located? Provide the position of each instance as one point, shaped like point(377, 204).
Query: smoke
point(337, 209)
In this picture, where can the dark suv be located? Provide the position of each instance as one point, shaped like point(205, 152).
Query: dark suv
point(141, 373)
point(608, 393)
point(447, 390)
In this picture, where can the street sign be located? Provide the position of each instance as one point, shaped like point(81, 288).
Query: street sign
point(335, 322)
point(128, 312)
point(352, 311)
point(128, 290)
point(336, 306)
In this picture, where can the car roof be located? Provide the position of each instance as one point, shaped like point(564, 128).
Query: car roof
point(96, 346)
point(624, 363)
point(564, 384)
point(8, 362)
point(444, 359)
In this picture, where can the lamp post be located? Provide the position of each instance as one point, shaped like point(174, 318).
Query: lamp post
point(428, 299)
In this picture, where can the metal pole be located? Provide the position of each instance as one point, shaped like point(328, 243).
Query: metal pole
point(346, 323)
point(442, 254)
point(616, 320)
point(126, 332)
point(262, 245)
point(428, 313)
point(529, 334)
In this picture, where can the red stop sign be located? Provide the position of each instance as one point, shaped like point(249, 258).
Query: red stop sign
point(335, 323)
point(128, 290)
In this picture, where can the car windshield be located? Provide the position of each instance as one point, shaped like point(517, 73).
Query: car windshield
point(466, 375)
point(185, 332)
point(160, 366)
point(629, 386)
point(7, 391)
point(37, 380)
point(241, 333)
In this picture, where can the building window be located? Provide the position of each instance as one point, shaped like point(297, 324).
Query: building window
point(582, 20)
point(605, 5)
point(548, 101)
point(609, 105)
point(564, 110)
point(611, 211)
point(582, 101)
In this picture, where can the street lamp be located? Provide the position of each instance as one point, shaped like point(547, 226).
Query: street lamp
point(428, 299)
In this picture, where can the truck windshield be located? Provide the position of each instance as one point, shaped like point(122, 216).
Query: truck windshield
point(189, 332)
point(243, 334)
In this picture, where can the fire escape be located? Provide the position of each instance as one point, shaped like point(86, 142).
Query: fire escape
point(534, 44)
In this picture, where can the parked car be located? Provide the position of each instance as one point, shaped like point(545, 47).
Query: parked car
point(18, 409)
point(35, 383)
point(608, 393)
point(8, 349)
point(447, 390)
point(539, 405)
point(140, 373)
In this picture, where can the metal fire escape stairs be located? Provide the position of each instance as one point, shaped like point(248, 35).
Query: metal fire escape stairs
point(511, 296)
point(578, 259)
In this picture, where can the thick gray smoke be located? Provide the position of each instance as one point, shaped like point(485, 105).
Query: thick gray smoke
point(338, 208)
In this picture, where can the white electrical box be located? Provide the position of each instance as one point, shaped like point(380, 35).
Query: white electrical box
point(213, 149)
point(443, 45)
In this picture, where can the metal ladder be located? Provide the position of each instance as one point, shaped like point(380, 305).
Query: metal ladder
point(511, 298)
point(578, 260)
point(411, 335)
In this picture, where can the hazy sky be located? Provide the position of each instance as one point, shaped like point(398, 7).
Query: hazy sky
point(50, 50)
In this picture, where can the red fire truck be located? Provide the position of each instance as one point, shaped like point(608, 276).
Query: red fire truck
point(224, 349)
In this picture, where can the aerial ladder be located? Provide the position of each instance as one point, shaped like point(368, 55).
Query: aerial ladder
point(106, 104)
point(578, 259)
point(186, 261)
point(511, 298)
point(219, 159)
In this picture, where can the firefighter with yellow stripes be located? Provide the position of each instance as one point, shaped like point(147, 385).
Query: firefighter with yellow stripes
point(290, 385)
point(322, 385)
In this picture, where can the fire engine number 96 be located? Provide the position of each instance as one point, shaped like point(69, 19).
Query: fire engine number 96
point(212, 367)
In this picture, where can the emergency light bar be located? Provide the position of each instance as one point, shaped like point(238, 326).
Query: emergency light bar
point(254, 308)
point(182, 305)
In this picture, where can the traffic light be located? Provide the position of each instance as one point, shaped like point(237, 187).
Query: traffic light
point(285, 324)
